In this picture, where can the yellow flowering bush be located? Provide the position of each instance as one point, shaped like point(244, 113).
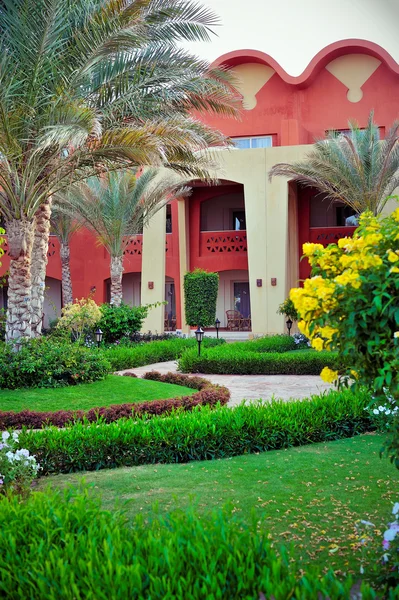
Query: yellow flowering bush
point(351, 304)
point(80, 317)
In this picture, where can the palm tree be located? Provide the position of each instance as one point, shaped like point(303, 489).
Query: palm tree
point(87, 86)
point(357, 168)
point(64, 226)
point(116, 207)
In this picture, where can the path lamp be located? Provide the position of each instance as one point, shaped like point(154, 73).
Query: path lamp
point(289, 323)
point(99, 336)
point(217, 325)
point(199, 334)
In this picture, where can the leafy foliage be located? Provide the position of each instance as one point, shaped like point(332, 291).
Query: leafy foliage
point(147, 353)
point(121, 321)
point(230, 360)
point(80, 318)
point(202, 434)
point(17, 466)
point(200, 297)
point(207, 395)
point(46, 363)
point(45, 542)
point(288, 309)
point(357, 168)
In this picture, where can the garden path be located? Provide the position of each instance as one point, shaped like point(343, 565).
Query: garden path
point(252, 387)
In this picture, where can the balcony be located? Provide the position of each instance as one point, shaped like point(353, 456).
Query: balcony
point(329, 235)
point(223, 242)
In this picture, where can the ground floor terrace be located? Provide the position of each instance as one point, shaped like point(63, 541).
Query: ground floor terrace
point(247, 228)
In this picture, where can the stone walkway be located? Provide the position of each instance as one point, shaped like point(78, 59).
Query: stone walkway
point(253, 387)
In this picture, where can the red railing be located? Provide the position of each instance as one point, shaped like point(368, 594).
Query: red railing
point(217, 242)
point(53, 246)
point(135, 246)
point(329, 235)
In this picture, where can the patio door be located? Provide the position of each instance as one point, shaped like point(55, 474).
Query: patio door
point(242, 301)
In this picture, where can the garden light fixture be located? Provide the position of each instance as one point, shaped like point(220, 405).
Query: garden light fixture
point(217, 325)
point(289, 324)
point(199, 334)
point(99, 336)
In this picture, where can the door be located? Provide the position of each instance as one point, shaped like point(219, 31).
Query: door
point(242, 301)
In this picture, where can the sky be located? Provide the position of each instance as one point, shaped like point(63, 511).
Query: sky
point(293, 31)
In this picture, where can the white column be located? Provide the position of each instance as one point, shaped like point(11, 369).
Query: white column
point(153, 271)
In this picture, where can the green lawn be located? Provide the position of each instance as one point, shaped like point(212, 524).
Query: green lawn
point(309, 496)
point(112, 390)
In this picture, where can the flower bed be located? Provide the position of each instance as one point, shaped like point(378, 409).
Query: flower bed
point(207, 395)
point(202, 434)
point(229, 359)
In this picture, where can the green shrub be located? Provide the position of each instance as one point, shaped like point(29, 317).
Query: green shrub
point(147, 353)
point(267, 343)
point(64, 547)
point(202, 434)
point(200, 296)
point(287, 308)
point(232, 361)
point(46, 363)
point(119, 321)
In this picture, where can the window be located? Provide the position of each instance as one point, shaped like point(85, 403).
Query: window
point(243, 143)
point(347, 131)
point(327, 213)
point(239, 223)
point(168, 218)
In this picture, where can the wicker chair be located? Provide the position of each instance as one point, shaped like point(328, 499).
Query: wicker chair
point(233, 319)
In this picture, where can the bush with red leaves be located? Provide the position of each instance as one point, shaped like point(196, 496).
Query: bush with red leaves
point(208, 394)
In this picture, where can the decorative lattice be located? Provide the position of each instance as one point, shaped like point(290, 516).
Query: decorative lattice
point(135, 246)
point(213, 243)
point(327, 236)
point(52, 247)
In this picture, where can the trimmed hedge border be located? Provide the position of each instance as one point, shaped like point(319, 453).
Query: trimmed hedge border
point(227, 360)
point(208, 395)
point(202, 434)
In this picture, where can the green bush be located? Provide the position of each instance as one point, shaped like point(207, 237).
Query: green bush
point(202, 434)
point(147, 353)
point(46, 363)
point(120, 321)
point(267, 343)
point(232, 361)
point(200, 296)
point(65, 547)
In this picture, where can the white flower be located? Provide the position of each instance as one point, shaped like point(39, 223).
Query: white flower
point(10, 455)
point(22, 452)
point(15, 436)
point(385, 557)
point(361, 569)
point(381, 408)
point(376, 411)
point(389, 535)
point(387, 412)
point(368, 523)
point(395, 509)
point(5, 435)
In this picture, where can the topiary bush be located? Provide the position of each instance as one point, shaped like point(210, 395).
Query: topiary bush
point(207, 395)
point(63, 546)
point(200, 296)
point(120, 321)
point(47, 363)
point(202, 434)
point(229, 360)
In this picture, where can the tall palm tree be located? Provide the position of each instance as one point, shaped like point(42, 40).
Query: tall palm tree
point(116, 207)
point(357, 167)
point(64, 226)
point(87, 86)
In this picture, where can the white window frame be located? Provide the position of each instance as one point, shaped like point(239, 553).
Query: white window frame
point(250, 138)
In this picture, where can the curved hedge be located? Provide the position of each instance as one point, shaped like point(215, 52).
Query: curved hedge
point(208, 395)
point(234, 361)
point(202, 434)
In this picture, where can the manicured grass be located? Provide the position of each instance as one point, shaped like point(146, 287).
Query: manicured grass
point(112, 390)
point(309, 496)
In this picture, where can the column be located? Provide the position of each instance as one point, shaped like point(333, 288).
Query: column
point(153, 271)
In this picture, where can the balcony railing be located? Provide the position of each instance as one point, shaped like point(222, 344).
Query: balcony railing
point(53, 246)
point(329, 235)
point(217, 242)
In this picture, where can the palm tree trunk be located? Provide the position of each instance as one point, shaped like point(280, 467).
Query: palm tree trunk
point(66, 283)
point(39, 264)
point(20, 242)
point(116, 280)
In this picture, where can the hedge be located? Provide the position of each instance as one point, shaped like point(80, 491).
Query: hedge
point(138, 355)
point(200, 297)
point(202, 434)
point(232, 361)
point(207, 395)
point(58, 546)
point(47, 363)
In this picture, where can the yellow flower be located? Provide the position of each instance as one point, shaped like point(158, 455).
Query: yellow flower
point(394, 270)
point(395, 214)
point(309, 249)
point(354, 374)
point(329, 375)
point(318, 344)
point(392, 256)
point(328, 332)
point(304, 328)
point(396, 334)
